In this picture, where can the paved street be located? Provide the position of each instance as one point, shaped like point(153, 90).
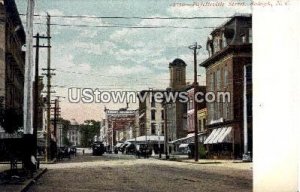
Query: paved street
point(126, 173)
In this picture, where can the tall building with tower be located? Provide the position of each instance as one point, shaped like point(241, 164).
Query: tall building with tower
point(177, 70)
point(176, 111)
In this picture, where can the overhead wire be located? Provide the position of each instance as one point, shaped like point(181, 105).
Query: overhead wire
point(127, 26)
point(134, 17)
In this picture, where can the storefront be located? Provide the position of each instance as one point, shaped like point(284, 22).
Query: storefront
point(219, 143)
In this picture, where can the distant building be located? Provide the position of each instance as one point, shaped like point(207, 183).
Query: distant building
point(12, 63)
point(230, 50)
point(176, 111)
point(202, 117)
point(73, 133)
point(119, 125)
point(191, 109)
point(151, 114)
point(103, 132)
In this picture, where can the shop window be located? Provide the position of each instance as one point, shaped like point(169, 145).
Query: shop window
point(152, 114)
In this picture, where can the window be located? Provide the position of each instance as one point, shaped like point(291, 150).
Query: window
point(215, 110)
point(216, 45)
point(218, 79)
point(162, 128)
point(162, 114)
point(177, 76)
point(220, 113)
point(152, 102)
point(211, 111)
point(152, 114)
point(204, 123)
point(225, 110)
point(221, 43)
point(225, 76)
point(244, 38)
point(224, 41)
point(152, 128)
point(212, 81)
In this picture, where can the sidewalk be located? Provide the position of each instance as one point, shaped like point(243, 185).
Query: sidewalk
point(18, 182)
point(230, 163)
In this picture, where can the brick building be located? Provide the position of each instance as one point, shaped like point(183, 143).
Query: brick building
point(12, 64)
point(201, 106)
point(230, 49)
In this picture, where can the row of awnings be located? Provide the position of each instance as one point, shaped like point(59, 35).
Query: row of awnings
point(220, 135)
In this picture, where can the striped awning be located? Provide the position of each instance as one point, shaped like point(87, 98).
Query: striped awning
point(220, 135)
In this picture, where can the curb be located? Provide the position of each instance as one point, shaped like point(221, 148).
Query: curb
point(191, 162)
point(33, 180)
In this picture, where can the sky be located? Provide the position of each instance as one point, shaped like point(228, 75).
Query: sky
point(118, 58)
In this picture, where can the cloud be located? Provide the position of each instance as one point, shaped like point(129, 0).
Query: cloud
point(84, 67)
point(66, 62)
point(96, 49)
point(119, 70)
point(87, 33)
point(138, 55)
point(121, 35)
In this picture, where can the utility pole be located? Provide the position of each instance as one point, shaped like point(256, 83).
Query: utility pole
point(49, 75)
point(28, 83)
point(194, 48)
point(36, 90)
point(36, 93)
point(55, 116)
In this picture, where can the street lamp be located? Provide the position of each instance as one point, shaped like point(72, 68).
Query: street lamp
point(194, 48)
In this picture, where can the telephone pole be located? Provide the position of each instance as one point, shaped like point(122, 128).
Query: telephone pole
point(194, 48)
point(49, 75)
point(36, 89)
point(36, 93)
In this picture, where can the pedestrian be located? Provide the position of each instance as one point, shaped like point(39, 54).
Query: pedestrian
point(82, 151)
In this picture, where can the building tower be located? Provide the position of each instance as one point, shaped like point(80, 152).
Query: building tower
point(177, 74)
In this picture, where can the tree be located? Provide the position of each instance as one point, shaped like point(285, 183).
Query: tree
point(88, 130)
